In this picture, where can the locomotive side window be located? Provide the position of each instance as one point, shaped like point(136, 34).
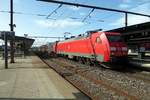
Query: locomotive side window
point(114, 38)
point(98, 40)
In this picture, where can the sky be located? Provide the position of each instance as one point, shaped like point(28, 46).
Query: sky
point(32, 20)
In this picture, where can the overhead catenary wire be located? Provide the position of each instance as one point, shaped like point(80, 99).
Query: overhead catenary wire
point(66, 14)
point(22, 13)
point(32, 14)
point(98, 8)
point(95, 7)
point(95, 19)
point(45, 37)
point(54, 11)
point(139, 5)
point(89, 15)
point(3, 11)
point(129, 8)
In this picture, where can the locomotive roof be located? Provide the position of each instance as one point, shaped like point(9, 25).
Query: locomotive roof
point(85, 36)
point(112, 33)
point(76, 38)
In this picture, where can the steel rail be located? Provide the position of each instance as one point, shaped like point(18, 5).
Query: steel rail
point(98, 82)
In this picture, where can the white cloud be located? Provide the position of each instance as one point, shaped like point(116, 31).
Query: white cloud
point(124, 6)
point(126, 1)
point(134, 19)
point(145, 0)
point(16, 1)
point(82, 14)
point(74, 8)
point(61, 23)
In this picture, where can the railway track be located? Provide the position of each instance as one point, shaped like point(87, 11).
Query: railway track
point(99, 83)
point(141, 63)
point(131, 72)
point(65, 73)
point(80, 73)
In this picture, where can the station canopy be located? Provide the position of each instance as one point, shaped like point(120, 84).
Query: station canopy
point(135, 34)
point(26, 42)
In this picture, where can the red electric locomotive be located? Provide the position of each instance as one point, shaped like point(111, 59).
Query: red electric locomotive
point(96, 46)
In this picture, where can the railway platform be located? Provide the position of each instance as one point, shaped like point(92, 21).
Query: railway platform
point(141, 63)
point(30, 78)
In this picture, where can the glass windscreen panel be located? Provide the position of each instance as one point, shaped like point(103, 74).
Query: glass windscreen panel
point(114, 38)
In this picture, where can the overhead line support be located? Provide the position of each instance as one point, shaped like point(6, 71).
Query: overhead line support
point(95, 7)
point(12, 29)
point(88, 15)
point(54, 11)
point(126, 20)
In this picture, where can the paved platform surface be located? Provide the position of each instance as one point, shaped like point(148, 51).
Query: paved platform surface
point(30, 78)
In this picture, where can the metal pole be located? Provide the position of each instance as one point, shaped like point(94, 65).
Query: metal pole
point(126, 20)
point(6, 51)
point(11, 16)
point(24, 49)
point(11, 29)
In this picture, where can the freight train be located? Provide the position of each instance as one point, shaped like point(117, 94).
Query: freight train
point(102, 47)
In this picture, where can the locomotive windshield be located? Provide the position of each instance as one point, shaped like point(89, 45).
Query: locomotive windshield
point(114, 38)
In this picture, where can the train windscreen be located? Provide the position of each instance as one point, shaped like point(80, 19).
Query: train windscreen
point(114, 38)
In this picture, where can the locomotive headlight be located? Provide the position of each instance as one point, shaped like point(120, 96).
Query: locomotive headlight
point(112, 53)
point(124, 48)
point(113, 48)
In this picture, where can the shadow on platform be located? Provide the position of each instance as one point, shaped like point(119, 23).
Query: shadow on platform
point(28, 68)
point(34, 99)
point(77, 96)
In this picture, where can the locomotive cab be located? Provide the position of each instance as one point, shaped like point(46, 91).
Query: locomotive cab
point(118, 49)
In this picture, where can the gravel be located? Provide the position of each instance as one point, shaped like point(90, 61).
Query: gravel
point(119, 80)
point(96, 90)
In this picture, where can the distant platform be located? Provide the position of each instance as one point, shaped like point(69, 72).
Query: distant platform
point(30, 78)
point(141, 63)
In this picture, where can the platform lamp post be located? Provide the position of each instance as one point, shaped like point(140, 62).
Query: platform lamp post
point(12, 29)
point(6, 51)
